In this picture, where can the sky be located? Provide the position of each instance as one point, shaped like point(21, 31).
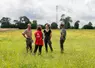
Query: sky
point(45, 10)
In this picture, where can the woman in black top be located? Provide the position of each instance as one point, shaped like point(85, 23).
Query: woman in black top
point(47, 38)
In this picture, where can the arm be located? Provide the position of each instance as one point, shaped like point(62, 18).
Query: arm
point(43, 34)
point(24, 35)
point(62, 34)
point(50, 34)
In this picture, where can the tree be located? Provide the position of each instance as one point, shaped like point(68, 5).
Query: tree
point(88, 26)
point(5, 22)
point(76, 25)
point(24, 19)
point(34, 24)
point(22, 22)
point(54, 25)
point(67, 20)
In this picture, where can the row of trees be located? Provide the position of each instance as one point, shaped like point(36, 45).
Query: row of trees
point(67, 20)
point(23, 21)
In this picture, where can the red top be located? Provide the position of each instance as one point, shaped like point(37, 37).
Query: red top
point(39, 36)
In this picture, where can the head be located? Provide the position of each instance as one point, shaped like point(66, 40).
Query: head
point(61, 26)
point(47, 26)
point(29, 26)
point(39, 28)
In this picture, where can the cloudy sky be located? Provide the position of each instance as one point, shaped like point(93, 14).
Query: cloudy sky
point(45, 10)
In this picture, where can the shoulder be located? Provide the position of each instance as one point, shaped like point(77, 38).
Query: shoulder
point(25, 31)
point(35, 32)
point(50, 31)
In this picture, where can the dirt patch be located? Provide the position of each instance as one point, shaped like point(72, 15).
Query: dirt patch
point(7, 29)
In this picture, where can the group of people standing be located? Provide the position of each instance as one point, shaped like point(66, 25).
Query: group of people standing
point(41, 38)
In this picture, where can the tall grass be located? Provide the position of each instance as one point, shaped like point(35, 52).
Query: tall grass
point(79, 51)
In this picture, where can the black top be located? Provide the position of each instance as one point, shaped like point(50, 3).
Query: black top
point(47, 34)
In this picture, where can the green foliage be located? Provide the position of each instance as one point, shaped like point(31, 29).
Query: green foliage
point(76, 25)
point(54, 25)
point(88, 26)
point(43, 26)
point(5, 22)
point(67, 20)
point(34, 24)
point(21, 23)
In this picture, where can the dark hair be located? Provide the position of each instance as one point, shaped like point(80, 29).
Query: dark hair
point(39, 28)
point(47, 25)
point(62, 25)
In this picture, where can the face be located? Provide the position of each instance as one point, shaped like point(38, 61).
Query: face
point(61, 26)
point(47, 27)
point(29, 26)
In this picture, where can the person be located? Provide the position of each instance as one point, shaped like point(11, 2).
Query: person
point(39, 40)
point(62, 37)
point(47, 38)
point(28, 36)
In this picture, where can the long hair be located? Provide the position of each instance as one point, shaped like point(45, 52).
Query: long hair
point(48, 25)
point(39, 28)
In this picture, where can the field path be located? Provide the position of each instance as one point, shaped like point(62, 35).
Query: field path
point(7, 29)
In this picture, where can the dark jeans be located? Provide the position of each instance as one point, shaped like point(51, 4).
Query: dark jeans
point(48, 42)
point(29, 44)
point(62, 45)
point(40, 49)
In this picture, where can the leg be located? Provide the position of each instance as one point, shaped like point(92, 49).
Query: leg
point(30, 45)
point(40, 49)
point(36, 47)
point(27, 45)
point(61, 45)
point(50, 45)
point(27, 48)
point(46, 47)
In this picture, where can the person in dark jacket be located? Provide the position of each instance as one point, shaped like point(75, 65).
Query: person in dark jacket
point(62, 37)
point(47, 38)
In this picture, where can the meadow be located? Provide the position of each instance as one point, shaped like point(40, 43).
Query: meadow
point(79, 51)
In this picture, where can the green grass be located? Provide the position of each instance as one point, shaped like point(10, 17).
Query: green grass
point(79, 51)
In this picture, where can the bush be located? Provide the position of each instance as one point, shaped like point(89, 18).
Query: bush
point(87, 27)
point(54, 25)
point(34, 24)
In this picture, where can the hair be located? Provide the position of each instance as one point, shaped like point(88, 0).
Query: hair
point(62, 25)
point(29, 24)
point(47, 25)
point(39, 28)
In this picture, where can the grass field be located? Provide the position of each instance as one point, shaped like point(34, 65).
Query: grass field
point(79, 51)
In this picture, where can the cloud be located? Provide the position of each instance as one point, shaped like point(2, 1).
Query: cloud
point(45, 10)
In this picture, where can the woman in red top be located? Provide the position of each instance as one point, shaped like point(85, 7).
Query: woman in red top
point(39, 40)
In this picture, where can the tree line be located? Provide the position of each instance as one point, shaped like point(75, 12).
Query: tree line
point(23, 21)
